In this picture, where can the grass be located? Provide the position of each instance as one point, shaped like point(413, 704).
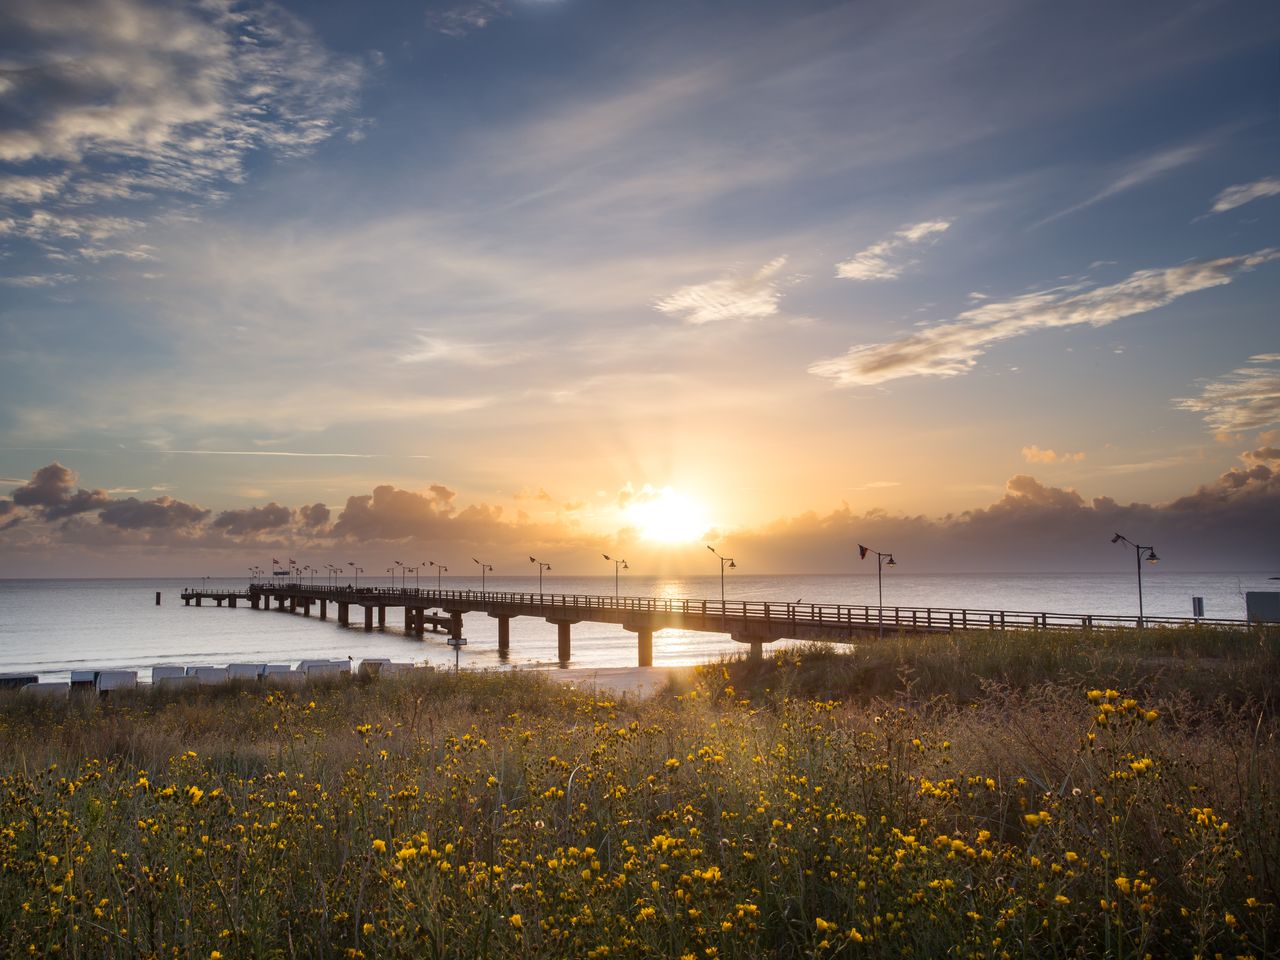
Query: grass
point(969, 796)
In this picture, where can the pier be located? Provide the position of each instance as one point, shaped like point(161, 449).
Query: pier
point(750, 622)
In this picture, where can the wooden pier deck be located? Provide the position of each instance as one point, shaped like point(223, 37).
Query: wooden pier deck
point(751, 622)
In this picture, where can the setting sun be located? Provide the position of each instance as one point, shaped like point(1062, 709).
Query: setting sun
point(667, 516)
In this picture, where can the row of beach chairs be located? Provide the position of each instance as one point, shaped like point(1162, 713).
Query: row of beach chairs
point(170, 677)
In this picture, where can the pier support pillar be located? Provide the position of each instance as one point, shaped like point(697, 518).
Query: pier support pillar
point(455, 625)
point(324, 609)
point(231, 602)
point(420, 622)
point(408, 619)
point(382, 616)
point(280, 602)
point(344, 613)
point(218, 601)
point(368, 619)
point(186, 601)
point(562, 640)
point(757, 651)
point(198, 599)
point(306, 607)
point(644, 646)
point(293, 604)
point(504, 635)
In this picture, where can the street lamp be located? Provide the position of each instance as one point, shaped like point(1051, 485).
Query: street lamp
point(440, 568)
point(724, 562)
point(541, 566)
point(484, 568)
point(358, 571)
point(414, 571)
point(618, 564)
point(882, 560)
point(1137, 552)
point(393, 576)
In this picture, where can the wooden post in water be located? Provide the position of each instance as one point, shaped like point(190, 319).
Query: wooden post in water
point(157, 598)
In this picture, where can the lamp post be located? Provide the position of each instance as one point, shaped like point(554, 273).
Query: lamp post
point(1137, 552)
point(414, 571)
point(358, 571)
point(484, 568)
point(619, 564)
point(440, 568)
point(724, 562)
point(393, 576)
point(882, 560)
point(541, 567)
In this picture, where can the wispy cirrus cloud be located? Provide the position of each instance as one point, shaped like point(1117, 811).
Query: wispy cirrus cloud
point(1136, 173)
point(952, 348)
point(1247, 398)
point(743, 297)
point(1243, 193)
point(126, 100)
point(887, 259)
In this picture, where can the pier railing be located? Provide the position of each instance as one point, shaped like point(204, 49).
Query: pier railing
point(763, 612)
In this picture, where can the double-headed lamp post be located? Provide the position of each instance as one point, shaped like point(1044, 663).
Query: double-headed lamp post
point(1150, 558)
point(618, 564)
point(724, 562)
point(541, 567)
point(440, 569)
point(358, 571)
point(484, 568)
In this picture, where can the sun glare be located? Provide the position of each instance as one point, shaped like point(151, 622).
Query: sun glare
point(668, 516)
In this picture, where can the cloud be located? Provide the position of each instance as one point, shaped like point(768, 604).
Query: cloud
point(1243, 193)
point(1138, 173)
point(254, 519)
point(743, 297)
point(50, 493)
point(127, 99)
point(1247, 398)
point(39, 280)
point(887, 259)
point(952, 348)
point(459, 19)
point(162, 512)
point(393, 514)
point(1034, 454)
point(431, 349)
point(315, 515)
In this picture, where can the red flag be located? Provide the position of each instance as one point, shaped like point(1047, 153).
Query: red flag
point(862, 552)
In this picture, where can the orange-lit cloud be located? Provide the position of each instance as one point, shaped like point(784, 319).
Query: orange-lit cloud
point(1033, 454)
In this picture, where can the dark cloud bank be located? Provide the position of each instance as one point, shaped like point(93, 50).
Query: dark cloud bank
point(1230, 524)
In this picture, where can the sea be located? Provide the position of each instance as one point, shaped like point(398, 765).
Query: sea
point(51, 627)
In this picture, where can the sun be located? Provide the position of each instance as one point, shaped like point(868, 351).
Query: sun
point(667, 516)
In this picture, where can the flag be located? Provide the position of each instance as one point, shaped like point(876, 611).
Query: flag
point(862, 552)
point(531, 560)
point(293, 562)
point(275, 562)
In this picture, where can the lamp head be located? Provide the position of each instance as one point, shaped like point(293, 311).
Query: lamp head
point(624, 565)
point(606, 556)
point(732, 565)
point(1117, 538)
point(891, 562)
point(711, 548)
point(1152, 558)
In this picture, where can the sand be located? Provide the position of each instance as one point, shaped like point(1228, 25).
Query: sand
point(632, 681)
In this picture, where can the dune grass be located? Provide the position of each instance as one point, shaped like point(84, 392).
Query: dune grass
point(963, 797)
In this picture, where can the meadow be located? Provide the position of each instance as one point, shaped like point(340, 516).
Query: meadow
point(1036, 795)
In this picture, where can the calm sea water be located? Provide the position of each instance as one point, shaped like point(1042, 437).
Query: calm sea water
point(54, 626)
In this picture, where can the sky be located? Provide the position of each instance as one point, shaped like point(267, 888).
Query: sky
point(976, 283)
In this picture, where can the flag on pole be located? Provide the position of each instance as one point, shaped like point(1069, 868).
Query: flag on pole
point(275, 562)
point(531, 560)
point(862, 552)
